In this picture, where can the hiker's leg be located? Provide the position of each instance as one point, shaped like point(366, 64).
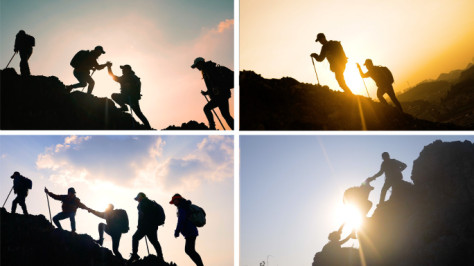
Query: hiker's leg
point(139, 234)
point(342, 82)
point(380, 93)
point(394, 99)
point(115, 244)
point(101, 230)
point(14, 203)
point(119, 99)
point(385, 188)
point(208, 111)
point(136, 108)
point(190, 249)
point(224, 107)
point(91, 84)
point(153, 237)
point(72, 218)
point(24, 67)
point(58, 217)
point(81, 77)
point(21, 200)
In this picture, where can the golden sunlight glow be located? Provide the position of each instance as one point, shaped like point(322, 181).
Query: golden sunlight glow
point(351, 216)
point(354, 80)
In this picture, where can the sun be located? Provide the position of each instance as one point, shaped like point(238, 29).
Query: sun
point(351, 216)
point(354, 80)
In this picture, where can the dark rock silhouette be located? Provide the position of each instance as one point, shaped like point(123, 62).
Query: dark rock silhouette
point(42, 103)
point(286, 104)
point(449, 99)
point(428, 222)
point(191, 125)
point(32, 240)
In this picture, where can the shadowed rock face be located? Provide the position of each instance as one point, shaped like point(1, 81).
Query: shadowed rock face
point(191, 125)
point(286, 104)
point(42, 103)
point(429, 222)
point(32, 240)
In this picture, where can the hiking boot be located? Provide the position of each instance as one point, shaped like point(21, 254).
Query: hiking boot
point(133, 257)
point(99, 241)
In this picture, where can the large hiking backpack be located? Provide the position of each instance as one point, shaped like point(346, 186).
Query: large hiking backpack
point(197, 215)
point(119, 221)
point(225, 77)
point(30, 40)
point(335, 53)
point(157, 214)
point(384, 75)
point(22, 183)
point(79, 58)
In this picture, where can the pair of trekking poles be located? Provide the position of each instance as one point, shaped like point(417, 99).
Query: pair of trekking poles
point(314, 66)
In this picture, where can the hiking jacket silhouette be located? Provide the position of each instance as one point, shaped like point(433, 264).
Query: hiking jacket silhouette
point(88, 63)
point(69, 204)
point(109, 219)
point(378, 75)
point(145, 215)
point(185, 226)
point(392, 169)
point(18, 185)
point(24, 43)
point(336, 56)
point(214, 81)
point(129, 84)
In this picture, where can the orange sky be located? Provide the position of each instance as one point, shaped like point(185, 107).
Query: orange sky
point(417, 40)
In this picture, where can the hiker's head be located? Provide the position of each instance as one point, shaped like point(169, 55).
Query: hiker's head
point(321, 38)
point(110, 207)
point(176, 199)
point(98, 50)
point(21, 33)
point(71, 192)
point(126, 69)
point(15, 174)
point(198, 63)
point(385, 156)
point(368, 63)
point(334, 236)
point(140, 196)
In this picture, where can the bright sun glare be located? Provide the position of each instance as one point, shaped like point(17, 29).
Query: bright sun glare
point(354, 80)
point(351, 216)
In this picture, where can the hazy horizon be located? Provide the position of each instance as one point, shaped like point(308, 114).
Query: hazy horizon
point(159, 39)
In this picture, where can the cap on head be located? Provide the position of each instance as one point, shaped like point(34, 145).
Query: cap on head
point(320, 36)
point(71, 190)
point(99, 49)
point(126, 67)
point(197, 61)
point(175, 196)
point(140, 196)
point(16, 173)
point(368, 62)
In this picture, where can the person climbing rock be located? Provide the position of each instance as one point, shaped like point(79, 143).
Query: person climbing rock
point(335, 243)
point(21, 185)
point(70, 203)
point(83, 62)
point(24, 44)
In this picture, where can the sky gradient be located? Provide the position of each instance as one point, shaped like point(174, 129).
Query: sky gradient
point(291, 189)
point(113, 169)
point(160, 40)
point(416, 40)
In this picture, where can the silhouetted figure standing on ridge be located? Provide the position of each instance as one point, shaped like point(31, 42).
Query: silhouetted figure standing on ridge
point(186, 228)
point(150, 216)
point(21, 185)
point(393, 174)
point(117, 223)
point(384, 79)
point(219, 80)
point(69, 207)
point(335, 243)
point(332, 50)
point(83, 62)
point(24, 44)
point(130, 87)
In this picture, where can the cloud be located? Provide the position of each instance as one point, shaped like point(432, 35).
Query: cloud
point(3, 156)
point(224, 25)
point(157, 149)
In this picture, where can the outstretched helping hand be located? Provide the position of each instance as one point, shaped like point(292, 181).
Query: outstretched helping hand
point(46, 190)
point(314, 55)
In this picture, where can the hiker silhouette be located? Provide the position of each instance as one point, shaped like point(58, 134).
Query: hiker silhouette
point(383, 79)
point(150, 216)
point(335, 241)
point(70, 203)
point(359, 197)
point(393, 174)
point(116, 224)
point(24, 44)
point(219, 80)
point(21, 185)
point(130, 87)
point(332, 50)
point(82, 62)
point(186, 227)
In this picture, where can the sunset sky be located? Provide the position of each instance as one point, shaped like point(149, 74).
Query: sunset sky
point(113, 169)
point(416, 40)
point(291, 189)
point(160, 40)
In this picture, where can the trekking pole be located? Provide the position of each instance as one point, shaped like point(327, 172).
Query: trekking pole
point(86, 84)
point(11, 59)
point(146, 241)
point(314, 66)
point(131, 112)
point(47, 199)
point(7, 197)
point(215, 113)
point(364, 82)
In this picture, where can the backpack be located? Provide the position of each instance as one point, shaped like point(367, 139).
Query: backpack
point(79, 58)
point(22, 183)
point(336, 53)
point(225, 77)
point(31, 40)
point(197, 215)
point(157, 214)
point(119, 221)
point(384, 75)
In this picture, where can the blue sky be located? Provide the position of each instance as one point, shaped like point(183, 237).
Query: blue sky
point(160, 40)
point(291, 188)
point(113, 169)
